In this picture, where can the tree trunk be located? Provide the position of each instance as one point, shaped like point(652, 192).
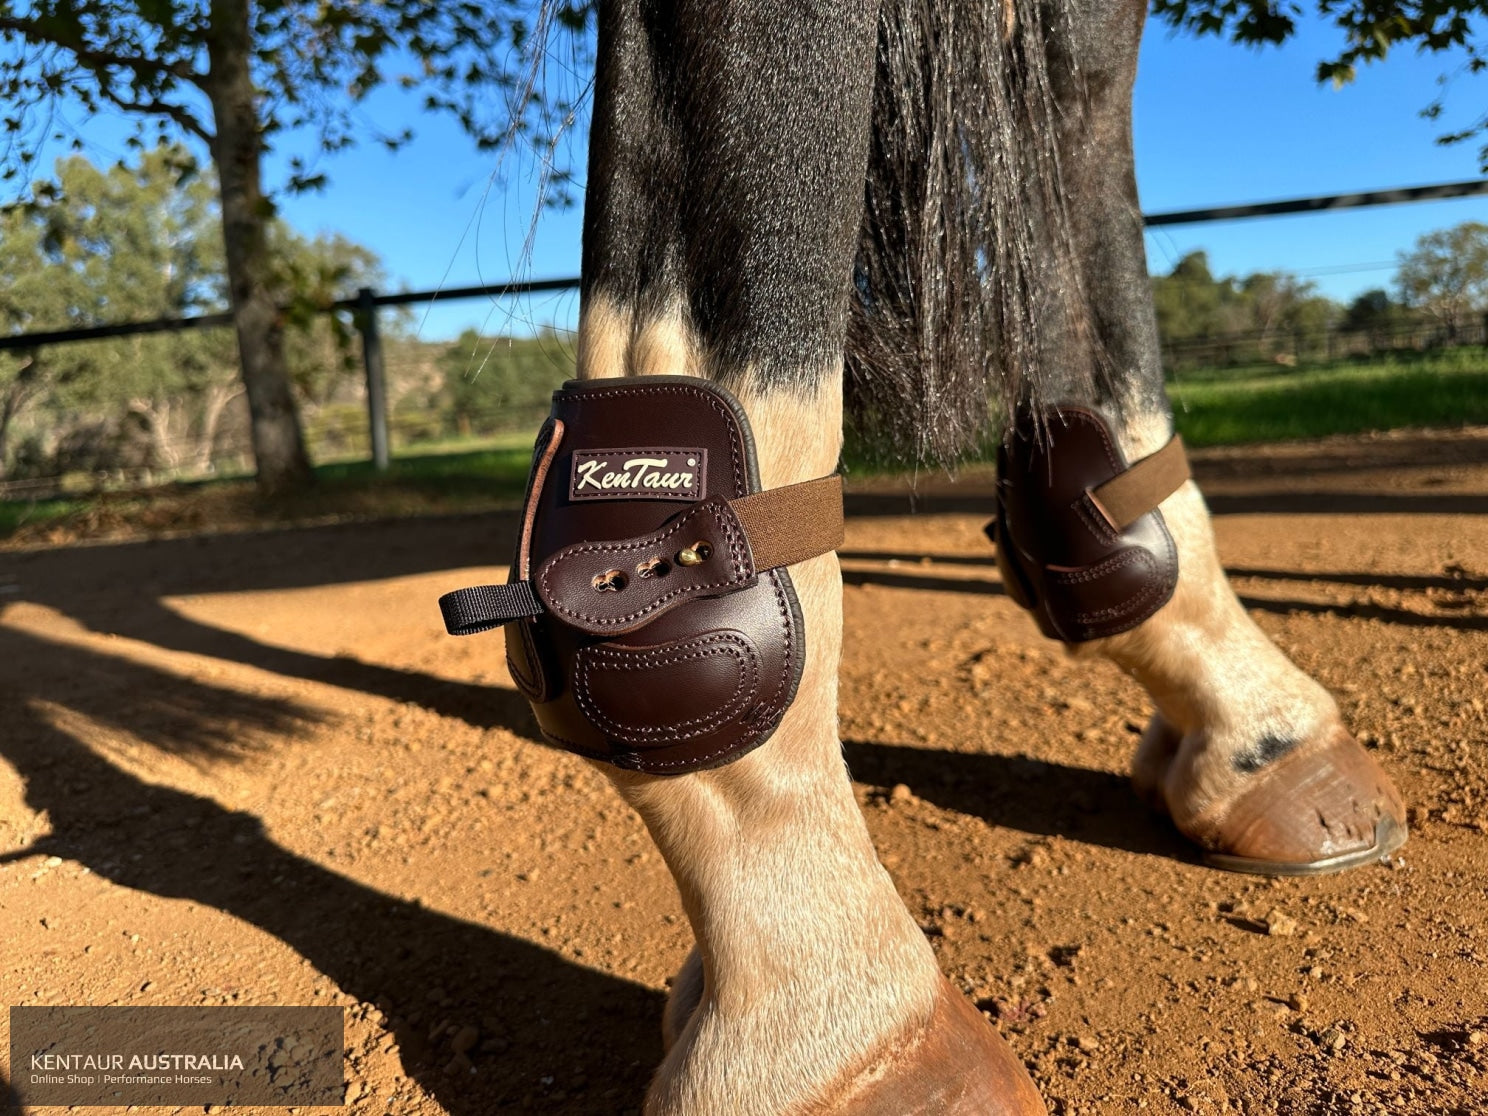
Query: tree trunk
point(16, 396)
point(218, 397)
point(157, 417)
point(237, 145)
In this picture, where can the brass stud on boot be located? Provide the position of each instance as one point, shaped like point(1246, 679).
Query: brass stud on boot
point(695, 555)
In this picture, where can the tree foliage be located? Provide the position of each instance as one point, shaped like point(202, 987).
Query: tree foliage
point(499, 383)
point(1440, 287)
point(1266, 308)
point(234, 75)
point(97, 246)
point(1373, 312)
point(313, 65)
point(1445, 275)
point(315, 273)
point(1367, 30)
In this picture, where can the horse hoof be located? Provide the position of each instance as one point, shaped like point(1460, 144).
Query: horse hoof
point(959, 1065)
point(1324, 807)
point(1389, 834)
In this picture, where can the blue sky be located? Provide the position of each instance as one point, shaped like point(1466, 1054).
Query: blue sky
point(1215, 124)
point(1218, 124)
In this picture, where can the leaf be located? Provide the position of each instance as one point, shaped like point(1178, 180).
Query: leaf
point(1338, 74)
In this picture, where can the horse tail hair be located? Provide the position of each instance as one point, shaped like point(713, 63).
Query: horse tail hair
point(965, 259)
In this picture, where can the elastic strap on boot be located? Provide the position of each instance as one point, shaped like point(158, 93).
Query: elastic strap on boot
point(1080, 540)
point(715, 546)
point(1131, 495)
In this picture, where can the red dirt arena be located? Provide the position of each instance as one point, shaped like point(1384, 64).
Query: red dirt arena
point(250, 768)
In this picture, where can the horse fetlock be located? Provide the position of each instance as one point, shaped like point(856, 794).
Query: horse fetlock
point(1247, 753)
point(1080, 541)
point(650, 618)
point(1215, 677)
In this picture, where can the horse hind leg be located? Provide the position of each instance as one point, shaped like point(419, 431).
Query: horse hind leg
point(1247, 753)
point(724, 195)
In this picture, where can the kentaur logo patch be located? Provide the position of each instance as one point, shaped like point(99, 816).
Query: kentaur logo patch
point(639, 474)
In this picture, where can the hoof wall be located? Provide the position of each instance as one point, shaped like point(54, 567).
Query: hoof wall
point(1389, 835)
point(1325, 807)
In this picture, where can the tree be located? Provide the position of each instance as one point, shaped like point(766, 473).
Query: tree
point(1368, 30)
point(1373, 312)
point(500, 383)
point(21, 381)
point(1446, 274)
point(1192, 303)
point(1271, 297)
point(1262, 315)
point(134, 242)
point(318, 272)
point(233, 74)
point(97, 246)
point(1278, 304)
point(30, 299)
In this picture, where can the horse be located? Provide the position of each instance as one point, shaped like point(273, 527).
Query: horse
point(916, 215)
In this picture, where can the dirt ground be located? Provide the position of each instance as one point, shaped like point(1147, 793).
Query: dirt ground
point(251, 769)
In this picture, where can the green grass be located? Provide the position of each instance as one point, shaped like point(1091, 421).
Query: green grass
point(1212, 407)
point(15, 514)
point(1275, 403)
point(453, 478)
point(499, 470)
point(1267, 405)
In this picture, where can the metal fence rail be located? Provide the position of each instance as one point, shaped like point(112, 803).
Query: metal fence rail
point(1319, 203)
point(365, 305)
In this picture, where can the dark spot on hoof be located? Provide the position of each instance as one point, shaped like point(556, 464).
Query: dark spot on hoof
point(1267, 750)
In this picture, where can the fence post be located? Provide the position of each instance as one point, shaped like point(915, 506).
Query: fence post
point(376, 384)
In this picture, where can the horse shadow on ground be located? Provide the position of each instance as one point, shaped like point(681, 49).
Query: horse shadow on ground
point(1347, 503)
point(895, 578)
point(323, 556)
point(1453, 582)
point(561, 1037)
point(1036, 797)
point(1387, 614)
point(552, 1018)
point(295, 558)
point(1399, 451)
point(978, 500)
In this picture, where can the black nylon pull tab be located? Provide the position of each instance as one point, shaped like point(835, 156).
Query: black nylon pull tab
point(483, 607)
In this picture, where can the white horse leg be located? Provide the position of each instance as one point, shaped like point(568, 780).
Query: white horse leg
point(811, 988)
point(1247, 753)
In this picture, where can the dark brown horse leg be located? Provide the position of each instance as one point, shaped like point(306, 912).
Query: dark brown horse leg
point(725, 187)
point(1247, 753)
